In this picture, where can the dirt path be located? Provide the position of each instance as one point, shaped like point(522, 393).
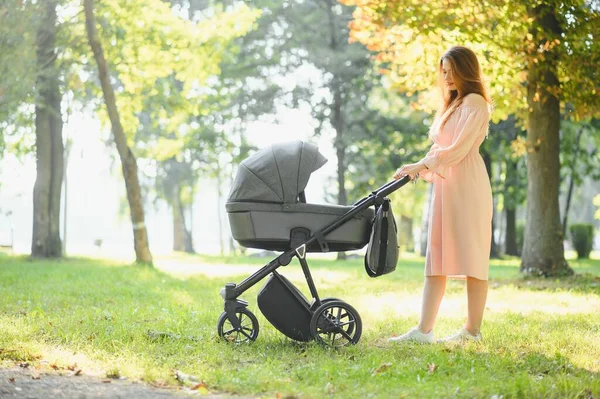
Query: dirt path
point(25, 383)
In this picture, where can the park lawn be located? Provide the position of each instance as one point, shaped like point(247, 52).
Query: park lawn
point(542, 337)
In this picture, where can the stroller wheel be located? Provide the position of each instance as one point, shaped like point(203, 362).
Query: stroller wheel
point(335, 323)
point(247, 332)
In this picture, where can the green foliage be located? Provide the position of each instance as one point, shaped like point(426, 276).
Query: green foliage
point(410, 37)
point(146, 42)
point(579, 150)
point(582, 238)
point(18, 22)
point(393, 134)
point(373, 131)
point(144, 323)
point(165, 66)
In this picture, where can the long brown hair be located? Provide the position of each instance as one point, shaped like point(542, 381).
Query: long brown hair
point(466, 75)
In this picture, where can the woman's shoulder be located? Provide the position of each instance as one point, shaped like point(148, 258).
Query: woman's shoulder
point(475, 102)
point(475, 99)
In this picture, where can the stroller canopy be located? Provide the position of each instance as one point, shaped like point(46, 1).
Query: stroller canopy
point(276, 174)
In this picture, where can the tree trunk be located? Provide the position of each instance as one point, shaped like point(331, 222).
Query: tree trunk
point(340, 149)
point(543, 250)
point(128, 162)
point(337, 119)
point(188, 244)
point(178, 219)
point(220, 219)
point(189, 233)
point(571, 183)
point(487, 159)
point(511, 233)
point(68, 145)
point(45, 241)
point(405, 233)
point(510, 238)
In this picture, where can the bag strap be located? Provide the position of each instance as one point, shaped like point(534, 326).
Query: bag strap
point(384, 237)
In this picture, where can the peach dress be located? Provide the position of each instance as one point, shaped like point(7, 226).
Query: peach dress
point(460, 227)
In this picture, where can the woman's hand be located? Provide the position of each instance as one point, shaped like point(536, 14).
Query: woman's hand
point(411, 169)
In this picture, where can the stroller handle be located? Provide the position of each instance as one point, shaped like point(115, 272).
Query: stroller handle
point(383, 191)
point(391, 186)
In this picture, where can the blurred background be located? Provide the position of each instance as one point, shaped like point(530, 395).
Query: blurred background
point(123, 122)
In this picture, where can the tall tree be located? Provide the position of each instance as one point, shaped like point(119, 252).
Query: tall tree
point(554, 42)
point(543, 251)
point(128, 161)
point(318, 32)
point(49, 141)
point(162, 83)
point(184, 148)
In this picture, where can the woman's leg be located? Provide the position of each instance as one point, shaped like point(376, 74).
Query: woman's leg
point(477, 296)
point(435, 287)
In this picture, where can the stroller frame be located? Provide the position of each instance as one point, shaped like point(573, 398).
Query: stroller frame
point(324, 321)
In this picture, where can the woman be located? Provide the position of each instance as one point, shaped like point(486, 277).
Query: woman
point(460, 227)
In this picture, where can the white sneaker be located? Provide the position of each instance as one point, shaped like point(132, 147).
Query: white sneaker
point(461, 336)
point(414, 335)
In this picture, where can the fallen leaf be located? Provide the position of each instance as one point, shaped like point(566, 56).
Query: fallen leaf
point(381, 368)
point(201, 388)
point(54, 366)
point(35, 376)
point(11, 379)
point(75, 372)
point(24, 365)
point(432, 367)
point(107, 381)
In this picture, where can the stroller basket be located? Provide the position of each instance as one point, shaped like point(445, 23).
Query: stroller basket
point(285, 307)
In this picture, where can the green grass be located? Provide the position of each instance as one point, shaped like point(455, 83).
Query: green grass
point(542, 337)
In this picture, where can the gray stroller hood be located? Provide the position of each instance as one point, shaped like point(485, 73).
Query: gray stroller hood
point(265, 211)
point(276, 174)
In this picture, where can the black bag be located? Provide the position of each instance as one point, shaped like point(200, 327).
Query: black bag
point(382, 252)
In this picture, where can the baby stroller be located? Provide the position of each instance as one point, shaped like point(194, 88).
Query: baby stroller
point(267, 210)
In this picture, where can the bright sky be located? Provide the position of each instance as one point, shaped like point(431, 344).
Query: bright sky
point(95, 193)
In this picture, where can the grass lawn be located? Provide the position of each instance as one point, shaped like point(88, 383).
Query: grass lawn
point(542, 337)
